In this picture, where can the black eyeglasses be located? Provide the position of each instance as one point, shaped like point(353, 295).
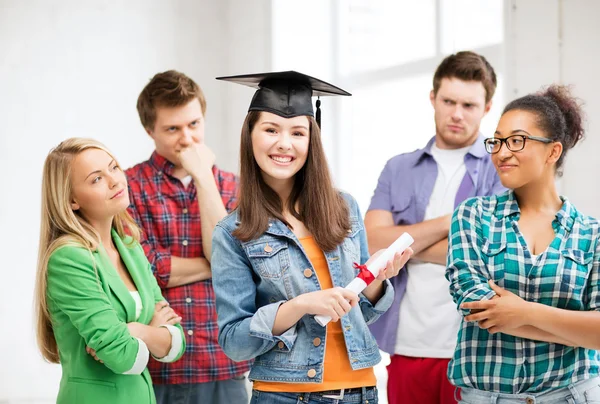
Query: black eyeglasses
point(513, 143)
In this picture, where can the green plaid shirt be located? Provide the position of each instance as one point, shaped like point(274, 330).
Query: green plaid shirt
point(485, 243)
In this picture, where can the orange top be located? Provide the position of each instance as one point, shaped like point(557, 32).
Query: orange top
point(337, 373)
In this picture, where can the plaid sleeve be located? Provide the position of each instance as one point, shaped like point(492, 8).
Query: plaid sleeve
point(178, 344)
point(228, 188)
point(159, 258)
point(592, 291)
point(465, 265)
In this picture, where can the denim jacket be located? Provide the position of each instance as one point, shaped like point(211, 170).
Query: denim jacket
point(252, 280)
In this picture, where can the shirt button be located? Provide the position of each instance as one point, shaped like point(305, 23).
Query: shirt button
point(529, 400)
point(185, 242)
point(317, 341)
point(159, 173)
point(281, 345)
point(311, 373)
point(308, 272)
point(190, 332)
point(188, 300)
point(185, 211)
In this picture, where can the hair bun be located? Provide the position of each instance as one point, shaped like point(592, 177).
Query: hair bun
point(571, 109)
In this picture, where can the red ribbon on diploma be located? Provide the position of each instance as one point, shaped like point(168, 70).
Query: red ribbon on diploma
point(364, 273)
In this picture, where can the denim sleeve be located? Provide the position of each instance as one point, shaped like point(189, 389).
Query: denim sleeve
point(245, 331)
point(465, 267)
point(371, 312)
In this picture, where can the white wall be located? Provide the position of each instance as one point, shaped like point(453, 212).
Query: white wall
point(580, 66)
point(247, 49)
point(72, 68)
point(557, 41)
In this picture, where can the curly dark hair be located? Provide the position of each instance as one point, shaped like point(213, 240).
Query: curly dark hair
point(559, 115)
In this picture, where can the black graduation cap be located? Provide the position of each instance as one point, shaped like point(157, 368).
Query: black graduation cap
point(287, 94)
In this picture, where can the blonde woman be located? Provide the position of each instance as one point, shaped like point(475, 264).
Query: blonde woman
point(100, 311)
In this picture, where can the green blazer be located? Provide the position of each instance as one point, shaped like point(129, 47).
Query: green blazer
point(90, 306)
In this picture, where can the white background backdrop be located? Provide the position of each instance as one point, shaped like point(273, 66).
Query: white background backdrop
point(72, 68)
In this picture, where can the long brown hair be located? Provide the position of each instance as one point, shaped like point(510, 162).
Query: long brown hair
point(320, 206)
point(61, 226)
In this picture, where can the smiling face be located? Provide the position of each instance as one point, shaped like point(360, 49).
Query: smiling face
point(459, 108)
point(99, 186)
point(280, 147)
point(536, 161)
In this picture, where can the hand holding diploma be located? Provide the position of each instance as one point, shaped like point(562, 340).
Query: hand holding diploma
point(376, 268)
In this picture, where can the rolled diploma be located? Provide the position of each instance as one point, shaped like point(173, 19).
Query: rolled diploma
point(358, 285)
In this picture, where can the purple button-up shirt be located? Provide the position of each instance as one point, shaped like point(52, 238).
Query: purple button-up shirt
point(404, 188)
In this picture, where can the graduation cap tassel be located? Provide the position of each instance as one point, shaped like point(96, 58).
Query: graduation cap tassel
point(318, 113)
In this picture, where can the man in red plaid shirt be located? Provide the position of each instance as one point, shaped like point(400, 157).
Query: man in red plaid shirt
point(177, 198)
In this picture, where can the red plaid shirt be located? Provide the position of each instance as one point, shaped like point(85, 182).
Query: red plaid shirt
point(169, 216)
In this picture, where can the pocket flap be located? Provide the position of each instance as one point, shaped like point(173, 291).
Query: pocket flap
point(265, 248)
point(400, 203)
point(355, 226)
point(580, 257)
point(490, 248)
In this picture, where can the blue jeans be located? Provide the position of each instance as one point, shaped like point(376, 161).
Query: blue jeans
point(368, 395)
point(231, 391)
point(582, 392)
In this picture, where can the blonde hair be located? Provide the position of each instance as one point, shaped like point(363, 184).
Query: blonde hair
point(61, 226)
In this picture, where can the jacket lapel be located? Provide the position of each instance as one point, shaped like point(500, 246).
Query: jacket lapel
point(136, 264)
point(116, 285)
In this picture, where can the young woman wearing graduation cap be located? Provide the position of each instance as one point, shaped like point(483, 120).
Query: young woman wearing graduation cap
point(285, 254)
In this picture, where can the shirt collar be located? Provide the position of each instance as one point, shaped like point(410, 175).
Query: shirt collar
point(477, 149)
point(567, 214)
point(507, 206)
point(161, 163)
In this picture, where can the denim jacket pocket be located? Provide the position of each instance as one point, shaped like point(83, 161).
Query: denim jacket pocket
point(351, 243)
point(270, 257)
point(494, 257)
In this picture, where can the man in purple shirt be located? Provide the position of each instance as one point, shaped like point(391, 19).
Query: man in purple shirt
point(417, 193)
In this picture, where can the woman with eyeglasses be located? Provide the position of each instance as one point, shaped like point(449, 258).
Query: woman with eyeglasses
point(523, 268)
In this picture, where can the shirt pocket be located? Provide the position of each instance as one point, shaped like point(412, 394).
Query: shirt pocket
point(161, 217)
point(351, 244)
point(574, 268)
point(403, 210)
point(269, 257)
point(494, 255)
